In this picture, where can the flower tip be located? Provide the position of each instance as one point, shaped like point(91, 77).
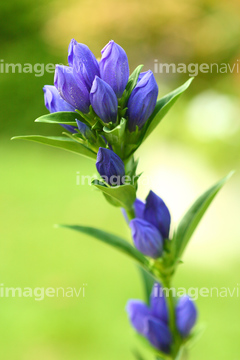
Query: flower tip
point(94, 84)
point(100, 153)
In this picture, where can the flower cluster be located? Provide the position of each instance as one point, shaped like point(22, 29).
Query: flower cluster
point(151, 225)
point(98, 91)
point(152, 321)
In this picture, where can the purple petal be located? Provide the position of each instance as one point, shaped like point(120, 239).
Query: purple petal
point(142, 101)
point(138, 312)
point(104, 100)
point(158, 334)
point(146, 238)
point(157, 213)
point(186, 315)
point(114, 68)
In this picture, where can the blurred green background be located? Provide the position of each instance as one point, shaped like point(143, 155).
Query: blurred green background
point(197, 143)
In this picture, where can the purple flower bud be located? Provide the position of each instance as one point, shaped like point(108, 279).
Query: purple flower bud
point(158, 334)
point(142, 101)
point(146, 238)
point(54, 103)
point(186, 315)
point(73, 42)
point(104, 100)
point(159, 304)
point(110, 166)
point(138, 312)
point(157, 213)
point(139, 207)
point(85, 65)
point(152, 322)
point(114, 68)
point(75, 94)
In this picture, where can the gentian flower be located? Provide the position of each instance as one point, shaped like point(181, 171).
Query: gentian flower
point(104, 100)
point(142, 101)
point(186, 315)
point(73, 92)
point(151, 225)
point(157, 213)
point(85, 65)
point(152, 322)
point(146, 237)
point(114, 68)
point(54, 103)
point(110, 166)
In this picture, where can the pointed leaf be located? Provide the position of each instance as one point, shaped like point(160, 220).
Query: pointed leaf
point(133, 78)
point(60, 117)
point(115, 136)
point(192, 218)
point(60, 142)
point(123, 195)
point(132, 81)
point(163, 106)
point(110, 239)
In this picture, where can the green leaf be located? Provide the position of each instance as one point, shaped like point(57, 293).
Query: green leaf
point(133, 78)
point(60, 142)
point(132, 81)
point(116, 136)
point(192, 218)
point(123, 195)
point(61, 117)
point(163, 106)
point(148, 282)
point(110, 239)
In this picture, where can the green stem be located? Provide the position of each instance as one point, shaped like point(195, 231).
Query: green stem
point(172, 320)
point(170, 302)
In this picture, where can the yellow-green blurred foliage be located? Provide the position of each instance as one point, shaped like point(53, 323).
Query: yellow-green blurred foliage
point(197, 143)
